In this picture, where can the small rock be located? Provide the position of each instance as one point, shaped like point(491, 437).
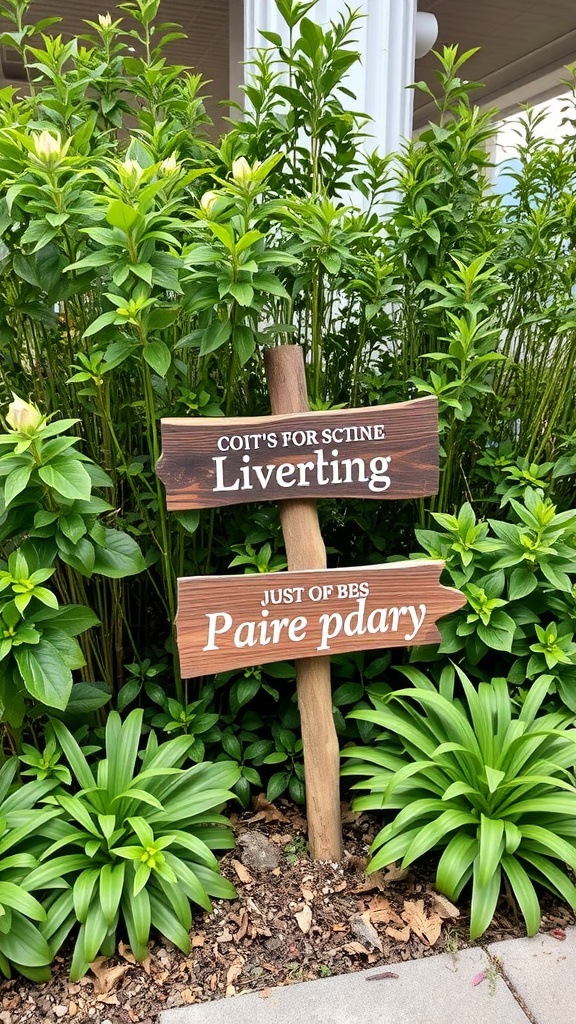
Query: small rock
point(304, 919)
point(258, 853)
point(61, 1011)
point(365, 931)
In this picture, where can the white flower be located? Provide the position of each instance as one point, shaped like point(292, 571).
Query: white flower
point(169, 165)
point(105, 20)
point(241, 170)
point(207, 202)
point(22, 416)
point(48, 148)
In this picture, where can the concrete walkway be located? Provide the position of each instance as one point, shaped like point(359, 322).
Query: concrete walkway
point(526, 981)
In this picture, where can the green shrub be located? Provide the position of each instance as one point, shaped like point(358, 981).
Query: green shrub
point(133, 843)
point(490, 788)
point(517, 574)
point(22, 943)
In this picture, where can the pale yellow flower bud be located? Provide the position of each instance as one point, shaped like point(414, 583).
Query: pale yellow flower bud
point(22, 416)
point(241, 170)
point(105, 20)
point(48, 148)
point(131, 166)
point(208, 201)
point(169, 165)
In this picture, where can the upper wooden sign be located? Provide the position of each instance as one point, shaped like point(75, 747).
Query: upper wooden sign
point(386, 451)
point(227, 622)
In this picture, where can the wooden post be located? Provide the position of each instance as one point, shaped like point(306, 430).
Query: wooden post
point(305, 550)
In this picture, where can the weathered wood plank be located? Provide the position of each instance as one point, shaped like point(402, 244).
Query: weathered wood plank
point(387, 451)
point(227, 622)
point(305, 549)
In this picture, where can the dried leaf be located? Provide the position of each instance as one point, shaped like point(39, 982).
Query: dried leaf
point(382, 913)
point(394, 873)
point(356, 948)
point(339, 927)
point(382, 975)
point(443, 907)
point(265, 811)
point(426, 928)
point(126, 953)
point(107, 977)
point(307, 894)
point(242, 921)
point(242, 872)
point(304, 919)
point(198, 940)
point(234, 972)
point(400, 934)
point(373, 883)
point(348, 817)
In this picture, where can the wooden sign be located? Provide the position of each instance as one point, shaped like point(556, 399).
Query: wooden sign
point(386, 451)
point(230, 622)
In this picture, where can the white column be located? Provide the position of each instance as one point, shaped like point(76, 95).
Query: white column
point(385, 37)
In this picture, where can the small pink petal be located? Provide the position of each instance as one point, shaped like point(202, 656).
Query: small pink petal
point(479, 978)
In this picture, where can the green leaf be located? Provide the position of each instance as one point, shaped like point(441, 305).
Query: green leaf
point(68, 477)
point(215, 336)
point(45, 674)
point(72, 618)
point(277, 784)
point(522, 582)
point(111, 886)
point(455, 864)
point(120, 556)
point(524, 892)
point(158, 356)
point(243, 343)
point(24, 944)
point(242, 292)
point(490, 848)
point(16, 482)
point(14, 896)
point(121, 215)
point(168, 924)
point(484, 900)
point(434, 832)
point(83, 891)
point(137, 915)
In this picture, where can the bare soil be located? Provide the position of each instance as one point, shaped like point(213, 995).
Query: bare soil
point(293, 922)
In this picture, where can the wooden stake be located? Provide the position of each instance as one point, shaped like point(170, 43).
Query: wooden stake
point(305, 550)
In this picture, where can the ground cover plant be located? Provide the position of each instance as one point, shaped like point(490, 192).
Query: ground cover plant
point(492, 789)
point(145, 266)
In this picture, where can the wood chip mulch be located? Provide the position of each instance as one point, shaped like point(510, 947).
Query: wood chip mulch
point(294, 920)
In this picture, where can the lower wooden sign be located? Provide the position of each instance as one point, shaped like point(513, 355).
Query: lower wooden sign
point(227, 622)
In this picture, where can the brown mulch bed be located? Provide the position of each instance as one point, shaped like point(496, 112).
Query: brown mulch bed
point(295, 921)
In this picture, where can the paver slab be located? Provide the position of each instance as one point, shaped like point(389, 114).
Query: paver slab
point(435, 990)
point(542, 971)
